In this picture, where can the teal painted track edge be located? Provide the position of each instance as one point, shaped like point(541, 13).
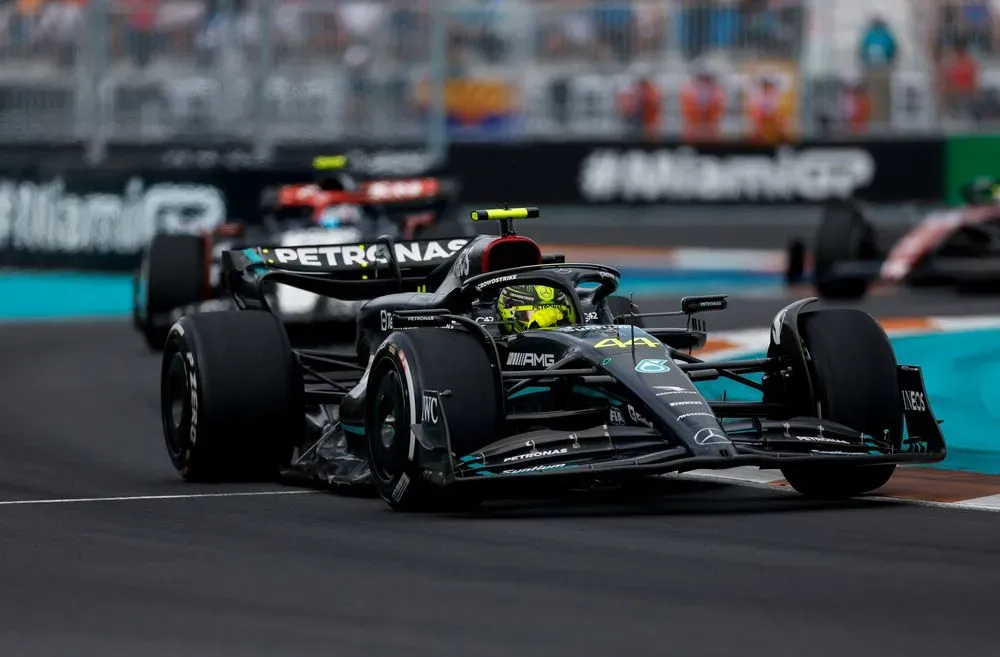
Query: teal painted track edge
point(959, 372)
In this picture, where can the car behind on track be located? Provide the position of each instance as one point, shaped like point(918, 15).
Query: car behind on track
point(958, 248)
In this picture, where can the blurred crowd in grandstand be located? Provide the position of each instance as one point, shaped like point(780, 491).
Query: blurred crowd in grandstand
point(705, 69)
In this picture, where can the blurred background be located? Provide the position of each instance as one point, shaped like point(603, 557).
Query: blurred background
point(261, 70)
point(664, 120)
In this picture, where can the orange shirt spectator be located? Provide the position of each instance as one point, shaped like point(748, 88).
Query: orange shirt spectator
point(640, 106)
point(768, 110)
point(858, 109)
point(961, 74)
point(702, 106)
point(29, 7)
point(142, 14)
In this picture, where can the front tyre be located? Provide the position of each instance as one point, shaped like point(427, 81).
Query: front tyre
point(844, 236)
point(853, 369)
point(420, 360)
point(173, 274)
point(231, 397)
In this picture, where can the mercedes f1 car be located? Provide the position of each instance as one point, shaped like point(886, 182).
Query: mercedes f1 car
point(496, 366)
point(958, 248)
point(180, 274)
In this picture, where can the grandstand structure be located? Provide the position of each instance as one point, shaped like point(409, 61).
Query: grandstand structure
point(277, 71)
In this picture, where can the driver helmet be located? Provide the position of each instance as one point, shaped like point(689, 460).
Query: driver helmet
point(336, 216)
point(523, 307)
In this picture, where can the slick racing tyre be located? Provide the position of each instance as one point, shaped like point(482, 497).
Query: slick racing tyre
point(853, 369)
point(415, 361)
point(621, 306)
point(231, 396)
point(172, 275)
point(844, 235)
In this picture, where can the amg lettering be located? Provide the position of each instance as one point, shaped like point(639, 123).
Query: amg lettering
point(520, 359)
point(535, 455)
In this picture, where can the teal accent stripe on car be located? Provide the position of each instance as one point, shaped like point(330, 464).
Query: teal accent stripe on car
point(351, 428)
point(531, 390)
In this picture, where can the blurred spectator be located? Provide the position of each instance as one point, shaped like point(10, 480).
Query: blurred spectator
point(703, 104)
point(769, 111)
point(959, 81)
point(878, 52)
point(640, 106)
point(141, 24)
point(615, 27)
point(857, 107)
point(707, 26)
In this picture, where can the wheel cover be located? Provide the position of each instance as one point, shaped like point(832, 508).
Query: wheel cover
point(388, 453)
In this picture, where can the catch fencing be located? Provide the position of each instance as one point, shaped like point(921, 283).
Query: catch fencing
point(266, 72)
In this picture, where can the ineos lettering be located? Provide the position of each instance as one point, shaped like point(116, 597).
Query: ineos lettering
point(914, 401)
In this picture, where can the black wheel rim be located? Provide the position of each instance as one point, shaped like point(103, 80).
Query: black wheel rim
point(387, 435)
point(175, 407)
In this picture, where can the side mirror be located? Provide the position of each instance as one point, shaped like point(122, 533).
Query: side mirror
point(692, 305)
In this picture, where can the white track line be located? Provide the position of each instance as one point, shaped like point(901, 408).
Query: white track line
point(989, 504)
point(71, 500)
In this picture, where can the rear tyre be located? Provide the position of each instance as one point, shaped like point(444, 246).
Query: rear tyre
point(622, 306)
point(428, 359)
point(172, 275)
point(853, 369)
point(844, 235)
point(231, 397)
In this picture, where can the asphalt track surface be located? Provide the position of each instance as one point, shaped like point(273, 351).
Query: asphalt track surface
point(691, 569)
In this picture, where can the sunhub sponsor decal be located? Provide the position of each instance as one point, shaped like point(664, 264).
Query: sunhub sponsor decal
point(812, 174)
point(519, 359)
point(536, 468)
point(361, 255)
point(536, 455)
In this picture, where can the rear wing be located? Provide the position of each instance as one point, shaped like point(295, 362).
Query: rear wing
point(345, 271)
point(403, 192)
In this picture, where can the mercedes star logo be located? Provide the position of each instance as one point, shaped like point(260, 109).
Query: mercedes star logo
point(710, 436)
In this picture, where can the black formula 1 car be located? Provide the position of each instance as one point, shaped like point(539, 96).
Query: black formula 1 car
point(439, 407)
point(958, 248)
point(180, 274)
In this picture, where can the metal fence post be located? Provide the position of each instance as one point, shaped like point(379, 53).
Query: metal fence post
point(437, 129)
